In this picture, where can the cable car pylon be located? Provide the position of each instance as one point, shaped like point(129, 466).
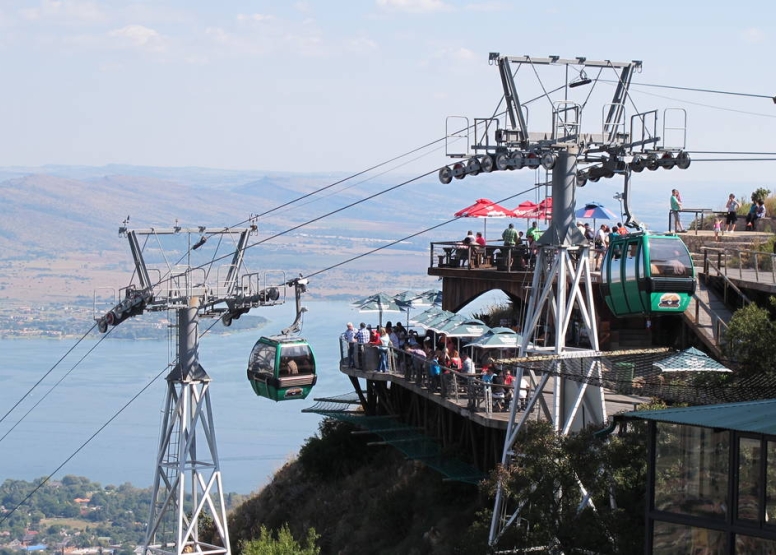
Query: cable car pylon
point(187, 478)
point(561, 289)
point(187, 486)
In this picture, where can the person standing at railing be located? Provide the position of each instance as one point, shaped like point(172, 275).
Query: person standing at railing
point(350, 338)
point(676, 206)
point(385, 342)
point(509, 236)
point(732, 207)
point(362, 340)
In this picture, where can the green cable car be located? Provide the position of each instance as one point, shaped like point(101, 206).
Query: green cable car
point(282, 368)
point(645, 274)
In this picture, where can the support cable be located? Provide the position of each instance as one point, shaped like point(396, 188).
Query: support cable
point(12, 428)
point(701, 104)
point(45, 480)
point(421, 232)
point(694, 89)
point(70, 350)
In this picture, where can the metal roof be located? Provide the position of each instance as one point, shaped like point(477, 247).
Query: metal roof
point(750, 416)
point(690, 360)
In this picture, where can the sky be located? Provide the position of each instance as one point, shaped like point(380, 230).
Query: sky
point(330, 86)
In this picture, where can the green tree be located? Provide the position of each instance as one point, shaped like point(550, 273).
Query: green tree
point(546, 478)
point(750, 341)
point(760, 194)
point(283, 543)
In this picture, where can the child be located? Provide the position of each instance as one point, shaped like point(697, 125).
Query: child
point(717, 229)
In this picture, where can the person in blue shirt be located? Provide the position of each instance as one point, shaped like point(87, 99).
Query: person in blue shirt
point(350, 338)
point(362, 340)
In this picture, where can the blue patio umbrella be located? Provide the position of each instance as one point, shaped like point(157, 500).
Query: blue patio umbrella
point(595, 211)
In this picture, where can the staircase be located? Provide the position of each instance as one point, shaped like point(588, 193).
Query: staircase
point(707, 314)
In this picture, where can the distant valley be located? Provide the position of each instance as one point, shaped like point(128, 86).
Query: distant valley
point(59, 237)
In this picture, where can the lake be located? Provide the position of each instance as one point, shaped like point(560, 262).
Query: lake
point(255, 435)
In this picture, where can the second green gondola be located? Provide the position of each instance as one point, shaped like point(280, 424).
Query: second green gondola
point(282, 368)
point(646, 274)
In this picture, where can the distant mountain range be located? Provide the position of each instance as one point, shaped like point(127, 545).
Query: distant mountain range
point(59, 230)
point(59, 225)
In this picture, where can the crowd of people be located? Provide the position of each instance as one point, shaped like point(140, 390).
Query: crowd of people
point(435, 362)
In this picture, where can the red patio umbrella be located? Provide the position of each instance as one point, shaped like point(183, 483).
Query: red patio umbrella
point(542, 212)
point(485, 208)
point(524, 209)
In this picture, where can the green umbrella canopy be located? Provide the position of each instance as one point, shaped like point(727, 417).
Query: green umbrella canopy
point(497, 338)
point(690, 360)
point(468, 327)
point(380, 303)
point(440, 320)
point(428, 315)
point(447, 324)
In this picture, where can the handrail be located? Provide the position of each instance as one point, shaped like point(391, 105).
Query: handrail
point(697, 223)
point(708, 265)
point(719, 326)
point(761, 264)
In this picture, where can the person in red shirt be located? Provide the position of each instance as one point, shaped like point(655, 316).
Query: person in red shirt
point(374, 335)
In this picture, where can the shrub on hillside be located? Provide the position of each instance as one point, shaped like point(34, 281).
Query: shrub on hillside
point(281, 543)
point(335, 452)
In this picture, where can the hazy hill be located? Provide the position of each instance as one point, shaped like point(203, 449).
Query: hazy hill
point(58, 233)
point(59, 230)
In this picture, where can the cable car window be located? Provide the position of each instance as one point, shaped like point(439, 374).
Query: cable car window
point(298, 359)
point(631, 251)
point(668, 258)
point(263, 359)
point(615, 269)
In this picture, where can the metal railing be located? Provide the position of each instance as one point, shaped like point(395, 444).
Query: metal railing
point(745, 264)
point(453, 254)
point(697, 222)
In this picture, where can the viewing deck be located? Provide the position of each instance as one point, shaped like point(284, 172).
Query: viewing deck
point(460, 411)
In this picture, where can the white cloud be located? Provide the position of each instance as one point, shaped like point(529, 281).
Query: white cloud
point(754, 35)
point(457, 54)
point(463, 55)
point(65, 11)
point(138, 36)
point(254, 17)
point(361, 44)
point(303, 38)
point(303, 7)
point(413, 6)
point(490, 6)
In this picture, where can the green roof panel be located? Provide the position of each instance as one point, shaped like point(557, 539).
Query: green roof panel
point(752, 416)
